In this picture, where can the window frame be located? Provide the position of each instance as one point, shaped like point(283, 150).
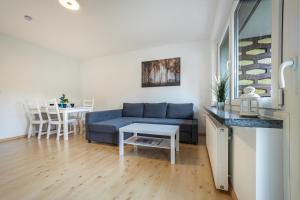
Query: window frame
point(277, 29)
point(229, 26)
point(227, 30)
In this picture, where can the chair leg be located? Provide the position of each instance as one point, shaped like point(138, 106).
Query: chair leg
point(80, 126)
point(40, 130)
point(29, 131)
point(58, 131)
point(48, 131)
point(74, 127)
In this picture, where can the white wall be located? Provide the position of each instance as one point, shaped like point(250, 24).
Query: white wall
point(257, 163)
point(243, 162)
point(115, 79)
point(29, 73)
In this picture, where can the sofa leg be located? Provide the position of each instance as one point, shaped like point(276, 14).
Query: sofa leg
point(89, 141)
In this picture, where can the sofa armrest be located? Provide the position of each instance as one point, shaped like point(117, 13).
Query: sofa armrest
point(102, 115)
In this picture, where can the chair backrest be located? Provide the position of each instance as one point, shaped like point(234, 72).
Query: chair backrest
point(88, 103)
point(34, 112)
point(53, 110)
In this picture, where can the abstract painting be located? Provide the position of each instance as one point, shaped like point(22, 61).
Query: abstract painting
point(164, 72)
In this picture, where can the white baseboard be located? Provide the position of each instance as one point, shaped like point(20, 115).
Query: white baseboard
point(12, 138)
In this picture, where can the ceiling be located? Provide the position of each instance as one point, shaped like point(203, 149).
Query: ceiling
point(103, 27)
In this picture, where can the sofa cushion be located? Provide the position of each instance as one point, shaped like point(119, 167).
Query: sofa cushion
point(110, 126)
point(180, 111)
point(113, 125)
point(163, 121)
point(155, 110)
point(185, 124)
point(133, 109)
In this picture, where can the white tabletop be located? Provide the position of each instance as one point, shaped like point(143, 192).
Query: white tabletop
point(154, 129)
point(76, 109)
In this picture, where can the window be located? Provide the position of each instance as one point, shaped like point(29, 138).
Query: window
point(224, 54)
point(253, 47)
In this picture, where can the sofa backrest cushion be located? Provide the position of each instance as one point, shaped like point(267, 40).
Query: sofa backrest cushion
point(180, 111)
point(133, 109)
point(155, 110)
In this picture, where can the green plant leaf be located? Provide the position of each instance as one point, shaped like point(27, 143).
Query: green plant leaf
point(220, 91)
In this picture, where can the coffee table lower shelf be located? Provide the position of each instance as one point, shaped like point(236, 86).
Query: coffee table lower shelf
point(157, 142)
point(149, 130)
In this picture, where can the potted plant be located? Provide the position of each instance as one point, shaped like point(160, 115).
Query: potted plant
point(63, 101)
point(221, 90)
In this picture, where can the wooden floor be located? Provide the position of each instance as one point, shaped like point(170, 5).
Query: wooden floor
point(33, 169)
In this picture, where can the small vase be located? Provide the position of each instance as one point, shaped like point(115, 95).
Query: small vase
point(62, 105)
point(221, 105)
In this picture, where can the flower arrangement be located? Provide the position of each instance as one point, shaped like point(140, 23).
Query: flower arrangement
point(63, 99)
point(221, 89)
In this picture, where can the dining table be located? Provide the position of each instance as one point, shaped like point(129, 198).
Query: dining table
point(66, 112)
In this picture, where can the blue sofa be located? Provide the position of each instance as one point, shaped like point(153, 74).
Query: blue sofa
point(103, 126)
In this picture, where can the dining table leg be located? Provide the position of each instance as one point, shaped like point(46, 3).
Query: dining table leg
point(66, 131)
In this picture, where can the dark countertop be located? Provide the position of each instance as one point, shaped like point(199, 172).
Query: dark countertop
point(232, 118)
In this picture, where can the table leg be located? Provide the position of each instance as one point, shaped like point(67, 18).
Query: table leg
point(81, 125)
point(66, 131)
point(121, 143)
point(135, 147)
point(172, 149)
point(177, 140)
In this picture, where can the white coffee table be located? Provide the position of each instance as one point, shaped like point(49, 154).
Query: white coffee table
point(151, 129)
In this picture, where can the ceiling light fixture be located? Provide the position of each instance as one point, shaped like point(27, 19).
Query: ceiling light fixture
point(70, 4)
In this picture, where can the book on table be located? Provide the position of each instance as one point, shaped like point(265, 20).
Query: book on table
point(148, 141)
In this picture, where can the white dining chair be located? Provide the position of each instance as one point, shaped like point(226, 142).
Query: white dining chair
point(86, 103)
point(36, 118)
point(56, 119)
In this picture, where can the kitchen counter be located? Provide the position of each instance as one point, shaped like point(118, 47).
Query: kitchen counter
point(232, 118)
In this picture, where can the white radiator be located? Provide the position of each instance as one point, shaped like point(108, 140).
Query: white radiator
point(217, 146)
